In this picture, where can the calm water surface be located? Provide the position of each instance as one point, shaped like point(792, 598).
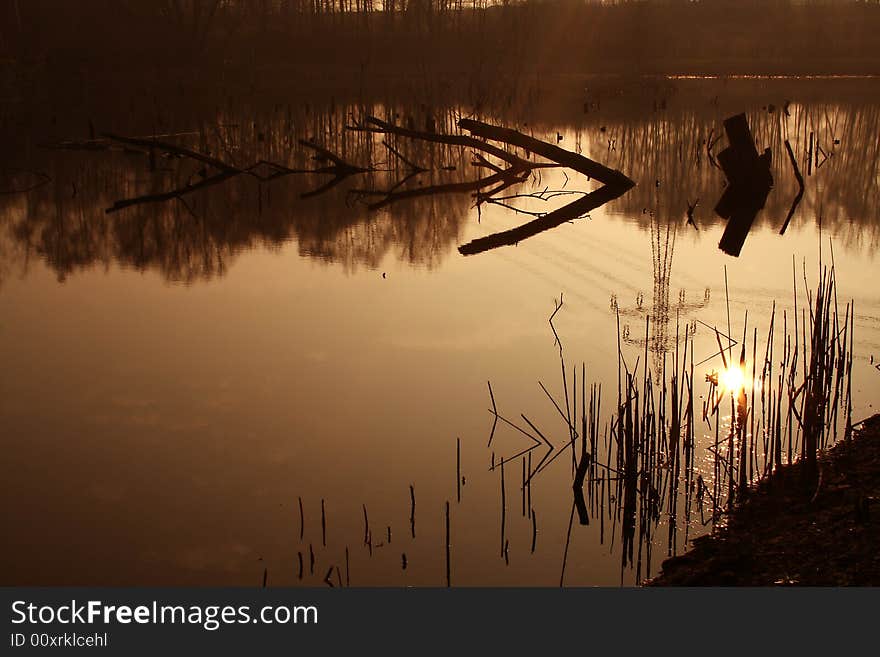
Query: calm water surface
point(177, 375)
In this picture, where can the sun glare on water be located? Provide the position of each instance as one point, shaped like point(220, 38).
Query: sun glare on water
point(733, 379)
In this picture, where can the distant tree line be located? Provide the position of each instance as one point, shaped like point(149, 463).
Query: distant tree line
point(391, 35)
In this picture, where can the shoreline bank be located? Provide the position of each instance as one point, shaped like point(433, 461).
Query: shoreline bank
point(786, 535)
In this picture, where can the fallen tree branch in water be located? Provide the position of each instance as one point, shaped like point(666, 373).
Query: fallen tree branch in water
point(339, 169)
point(391, 196)
point(554, 153)
point(383, 127)
point(512, 170)
point(615, 185)
point(42, 179)
point(173, 149)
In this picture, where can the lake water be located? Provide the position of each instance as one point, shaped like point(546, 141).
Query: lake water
point(178, 375)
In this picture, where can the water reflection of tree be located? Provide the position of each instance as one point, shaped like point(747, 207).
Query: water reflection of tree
point(198, 235)
point(665, 151)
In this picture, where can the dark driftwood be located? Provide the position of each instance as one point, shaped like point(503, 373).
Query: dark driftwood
point(413, 167)
point(391, 196)
point(515, 170)
point(378, 125)
point(616, 184)
point(338, 168)
point(740, 160)
point(172, 148)
point(749, 180)
point(552, 152)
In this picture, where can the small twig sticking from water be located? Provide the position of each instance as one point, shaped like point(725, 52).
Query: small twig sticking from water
point(366, 526)
point(412, 510)
point(503, 509)
point(534, 530)
point(494, 412)
point(528, 485)
point(458, 468)
point(448, 551)
point(567, 542)
point(558, 307)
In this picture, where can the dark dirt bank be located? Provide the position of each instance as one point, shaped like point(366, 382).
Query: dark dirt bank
point(784, 535)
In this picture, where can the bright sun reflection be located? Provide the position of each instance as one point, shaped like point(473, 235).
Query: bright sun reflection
point(733, 379)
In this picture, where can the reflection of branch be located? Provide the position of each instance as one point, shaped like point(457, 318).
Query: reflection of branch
point(516, 172)
point(541, 196)
point(544, 195)
point(800, 180)
point(484, 196)
point(326, 187)
point(578, 486)
point(392, 196)
point(710, 144)
point(516, 210)
point(339, 168)
point(173, 194)
point(553, 219)
point(414, 168)
point(44, 179)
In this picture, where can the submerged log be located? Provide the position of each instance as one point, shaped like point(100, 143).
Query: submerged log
point(750, 181)
point(173, 149)
point(384, 127)
point(552, 152)
point(616, 184)
point(514, 175)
